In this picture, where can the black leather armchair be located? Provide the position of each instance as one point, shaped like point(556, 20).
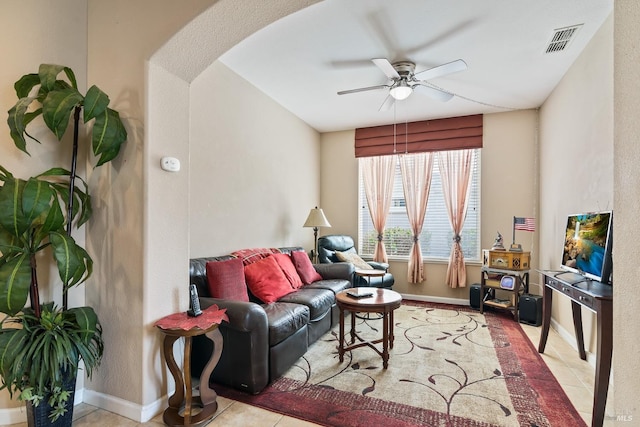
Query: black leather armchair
point(327, 247)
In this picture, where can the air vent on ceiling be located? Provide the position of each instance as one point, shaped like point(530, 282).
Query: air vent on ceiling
point(561, 38)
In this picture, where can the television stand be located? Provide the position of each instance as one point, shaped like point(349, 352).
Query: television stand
point(597, 297)
point(575, 277)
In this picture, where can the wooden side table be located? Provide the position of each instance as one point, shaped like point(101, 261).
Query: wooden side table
point(368, 274)
point(182, 402)
point(383, 301)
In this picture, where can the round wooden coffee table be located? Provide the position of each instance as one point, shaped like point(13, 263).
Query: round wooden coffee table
point(383, 301)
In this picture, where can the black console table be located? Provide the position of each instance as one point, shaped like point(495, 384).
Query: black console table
point(597, 297)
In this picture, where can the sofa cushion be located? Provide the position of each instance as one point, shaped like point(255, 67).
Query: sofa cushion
point(226, 280)
point(334, 285)
point(305, 269)
point(319, 301)
point(354, 259)
point(284, 320)
point(249, 256)
point(266, 280)
point(289, 270)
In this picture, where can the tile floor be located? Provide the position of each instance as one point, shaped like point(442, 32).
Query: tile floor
point(576, 377)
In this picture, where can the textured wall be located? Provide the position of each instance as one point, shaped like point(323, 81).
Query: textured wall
point(576, 159)
point(626, 334)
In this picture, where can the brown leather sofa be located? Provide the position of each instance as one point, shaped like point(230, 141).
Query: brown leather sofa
point(261, 341)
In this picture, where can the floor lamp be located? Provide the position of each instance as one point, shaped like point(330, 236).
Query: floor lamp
point(316, 219)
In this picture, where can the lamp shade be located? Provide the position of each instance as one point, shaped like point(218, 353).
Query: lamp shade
point(316, 218)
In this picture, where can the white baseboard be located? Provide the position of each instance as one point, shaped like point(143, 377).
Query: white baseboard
point(570, 338)
point(125, 408)
point(441, 300)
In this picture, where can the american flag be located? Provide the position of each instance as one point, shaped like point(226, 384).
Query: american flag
point(526, 224)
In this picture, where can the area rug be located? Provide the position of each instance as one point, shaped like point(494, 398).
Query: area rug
point(449, 366)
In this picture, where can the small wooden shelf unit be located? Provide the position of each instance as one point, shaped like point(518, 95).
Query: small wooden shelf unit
point(492, 294)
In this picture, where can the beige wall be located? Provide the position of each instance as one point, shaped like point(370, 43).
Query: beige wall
point(144, 223)
point(255, 168)
point(576, 159)
point(626, 196)
point(508, 188)
point(54, 33)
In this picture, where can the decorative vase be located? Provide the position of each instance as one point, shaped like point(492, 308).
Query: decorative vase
point(38, 416)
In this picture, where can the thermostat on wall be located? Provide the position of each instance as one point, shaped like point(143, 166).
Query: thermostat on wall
point(170, 164)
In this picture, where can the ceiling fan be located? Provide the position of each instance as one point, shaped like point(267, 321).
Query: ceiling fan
point(403, 80)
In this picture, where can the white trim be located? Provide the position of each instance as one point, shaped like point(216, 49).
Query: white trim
point(441, 300)
point(571, 340)
point(125, 408)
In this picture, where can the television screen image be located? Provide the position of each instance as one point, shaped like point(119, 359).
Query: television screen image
point(587, 245)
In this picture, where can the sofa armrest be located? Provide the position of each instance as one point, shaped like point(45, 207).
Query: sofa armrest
point(337, 270)
point(244, 363)
point(243, 316)
point(379, 265)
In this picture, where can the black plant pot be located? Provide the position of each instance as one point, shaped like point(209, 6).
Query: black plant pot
point(38, 416)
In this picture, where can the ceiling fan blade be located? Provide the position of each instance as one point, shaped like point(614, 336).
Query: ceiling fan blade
point(386, 68)
point(432, 92)
point(441, 70)
point(362, 89)
point(388, 102)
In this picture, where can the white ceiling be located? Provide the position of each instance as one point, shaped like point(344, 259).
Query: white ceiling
point(302, 60)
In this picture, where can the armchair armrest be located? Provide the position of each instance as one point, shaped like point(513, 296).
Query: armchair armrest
point(379, 265)
point(337, 270)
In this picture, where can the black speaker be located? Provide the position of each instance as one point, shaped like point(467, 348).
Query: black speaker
point(530, 309)
point(474, 296)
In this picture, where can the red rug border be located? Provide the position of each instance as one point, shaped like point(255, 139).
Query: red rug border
point(543, 384)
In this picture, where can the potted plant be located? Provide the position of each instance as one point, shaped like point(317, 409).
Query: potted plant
point(41, 344)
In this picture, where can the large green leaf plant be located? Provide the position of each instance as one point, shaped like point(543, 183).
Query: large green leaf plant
point(41, 343)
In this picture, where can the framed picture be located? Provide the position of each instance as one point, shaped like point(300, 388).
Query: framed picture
point(508, 282)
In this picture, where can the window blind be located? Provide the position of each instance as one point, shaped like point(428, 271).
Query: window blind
point(436, 237)
point(454, 133)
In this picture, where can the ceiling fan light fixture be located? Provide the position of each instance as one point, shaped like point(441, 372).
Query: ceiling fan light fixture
point(401, 90)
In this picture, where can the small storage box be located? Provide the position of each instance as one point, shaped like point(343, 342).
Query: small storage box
point(506, 260)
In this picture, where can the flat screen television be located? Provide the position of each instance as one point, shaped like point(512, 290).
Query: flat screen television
point(587, 246)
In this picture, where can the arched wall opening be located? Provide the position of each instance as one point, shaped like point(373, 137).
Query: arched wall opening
point(171, 73)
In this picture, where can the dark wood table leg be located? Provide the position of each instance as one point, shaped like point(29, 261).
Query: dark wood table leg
point(341, 337)
point(547, 297)
point(208, 396)
point(181, 404)
point(603, 362)
point(577, 324)
point(385, 340)
point(175, 401)
point(391, 337)
point(353, 327)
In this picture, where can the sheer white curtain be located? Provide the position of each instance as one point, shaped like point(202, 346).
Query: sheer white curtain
point(416, 183)
point(455, 171)
point(378, 174)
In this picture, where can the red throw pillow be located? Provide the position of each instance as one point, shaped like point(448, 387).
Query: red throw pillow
point(305, 269)
point(289, 270)
point(226, 280)
point(253, 254)
point(266, 280)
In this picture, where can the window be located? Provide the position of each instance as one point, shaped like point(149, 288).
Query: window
point(436, 237)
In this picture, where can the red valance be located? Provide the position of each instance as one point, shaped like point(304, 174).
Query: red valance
point(454, 133)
